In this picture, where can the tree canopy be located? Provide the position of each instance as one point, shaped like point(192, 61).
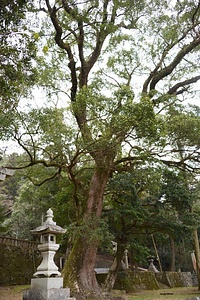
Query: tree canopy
point(123, 68)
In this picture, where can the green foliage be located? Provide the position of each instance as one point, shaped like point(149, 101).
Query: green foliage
point(123, 65)
point(129, 210)
point(139, 251)
point(184, 124)
point(3, 228)
point(99, 234)
point(17, 73)
point(112, 118)
point(176, 191)
point(149, 201)
point(32, 202)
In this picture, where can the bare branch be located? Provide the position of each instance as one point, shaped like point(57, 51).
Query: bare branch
point(101, 35)
point(155, 72)
point(23, 147)
point(58, 38)
point(168, 70)
point(174, 89)
point(46, 179)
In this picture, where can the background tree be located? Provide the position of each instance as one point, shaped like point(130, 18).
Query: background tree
point(148, 201)
point(3, 228)
point(18, 51)
point(17, 60)
point(108, 46)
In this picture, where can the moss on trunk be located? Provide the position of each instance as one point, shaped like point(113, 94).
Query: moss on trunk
point(78, 271)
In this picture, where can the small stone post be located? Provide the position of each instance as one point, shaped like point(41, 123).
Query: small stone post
point(47, 283)
point(5, 172)
point(126, 259)
point(152, 268)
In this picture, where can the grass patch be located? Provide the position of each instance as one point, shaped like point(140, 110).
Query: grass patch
point(19, 288)
point(166, 294)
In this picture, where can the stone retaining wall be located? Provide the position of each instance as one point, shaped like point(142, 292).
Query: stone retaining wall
point(174, 279)
point(134, 281)
point(17, 267)
point(131, 281)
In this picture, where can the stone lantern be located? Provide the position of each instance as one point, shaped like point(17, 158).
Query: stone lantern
point(48, 246)
point(5, 172)
point(47, 283)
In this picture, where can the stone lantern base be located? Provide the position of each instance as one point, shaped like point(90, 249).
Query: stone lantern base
point(46, 283)
point(49, 288)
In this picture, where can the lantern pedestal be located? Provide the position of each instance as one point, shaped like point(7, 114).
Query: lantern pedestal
point(47, 268)
point(46, 283)
point(47, 289)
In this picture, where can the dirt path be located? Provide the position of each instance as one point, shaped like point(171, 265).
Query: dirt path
point(12, 293)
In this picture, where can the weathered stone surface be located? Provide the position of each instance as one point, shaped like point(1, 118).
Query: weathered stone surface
point(46, 283)
point(134, 281)
point(52, 294)
point(186, 278)
point(48, 246)
point(194, 279)
point(32, 295)
point(174, 279)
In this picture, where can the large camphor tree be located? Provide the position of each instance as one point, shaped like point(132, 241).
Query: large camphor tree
point(125, 66)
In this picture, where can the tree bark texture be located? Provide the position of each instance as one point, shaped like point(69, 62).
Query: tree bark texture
point(173, 256)
point(197, 255)
point(117, 263)
point(78, 271)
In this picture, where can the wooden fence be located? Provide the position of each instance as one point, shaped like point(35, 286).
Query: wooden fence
point(23, 244)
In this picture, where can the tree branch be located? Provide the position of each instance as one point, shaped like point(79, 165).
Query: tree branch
point(46, 179)
point(174, 89)
point(164, 54)
point(64, 46)
point(168, 70)
point(101, 35)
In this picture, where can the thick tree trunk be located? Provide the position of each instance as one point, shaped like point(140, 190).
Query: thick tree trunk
point(117, 263)
point(78, 271)
point(197, 255)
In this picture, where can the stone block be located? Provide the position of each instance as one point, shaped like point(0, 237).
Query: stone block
point(32, 295)
point(46, 283)
point(186, 278)
point(51, 294)
point(134, 281)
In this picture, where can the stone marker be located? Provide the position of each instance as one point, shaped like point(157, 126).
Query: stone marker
point(47, 283)
point(5, 172)
point(152, 268)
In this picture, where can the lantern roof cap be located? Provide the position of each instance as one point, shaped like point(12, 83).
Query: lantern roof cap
point(49, 225)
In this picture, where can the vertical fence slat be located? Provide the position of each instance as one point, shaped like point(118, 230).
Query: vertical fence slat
point(23, 244)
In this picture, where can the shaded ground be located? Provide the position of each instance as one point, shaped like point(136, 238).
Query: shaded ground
point(12, 292)
point(15, 293)
point(167, 294)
